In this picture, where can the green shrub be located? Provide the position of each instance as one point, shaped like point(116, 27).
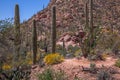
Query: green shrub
point(61, 49)
point(117, 63)
point(72, 49)
point(104, 75)
point(17, 73)
point(78, 53)
point(50, 74)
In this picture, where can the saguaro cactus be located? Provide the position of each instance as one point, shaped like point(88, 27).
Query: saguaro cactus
point(91, 23)
point(86, 14)
point(91, 14)
point(64, 49)
point(53, 40)
point(34, 37)
point(45, 46)
point(17, 40)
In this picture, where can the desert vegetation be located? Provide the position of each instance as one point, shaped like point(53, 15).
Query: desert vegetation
point(84, 49)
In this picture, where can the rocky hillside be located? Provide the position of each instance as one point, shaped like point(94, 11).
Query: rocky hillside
point(71, 13)
point(71, 16)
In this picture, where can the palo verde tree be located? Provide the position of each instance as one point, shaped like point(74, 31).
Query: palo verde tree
point(6, 29)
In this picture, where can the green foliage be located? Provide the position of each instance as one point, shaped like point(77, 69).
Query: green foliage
point(93, 67)
point(90, 46)
point(72, 49)
point(109, 40)
point(78, 53)
point(53, 58)
point(76, 78)
point(98, 56)
point(104, 75)
point(5, 24)
point(117, 63)
point(93, 33)
point(50, 74)
point(17, 73)
point(6, 32)
point(61, 49)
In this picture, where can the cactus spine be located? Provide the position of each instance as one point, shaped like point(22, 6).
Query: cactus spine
point(34, 38)
point(17, 40)
point(53, 36)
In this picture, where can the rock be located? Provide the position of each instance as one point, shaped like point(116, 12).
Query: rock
point(69, 55)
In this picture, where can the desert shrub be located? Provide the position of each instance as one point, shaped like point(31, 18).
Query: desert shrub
point(109, 40)
point(104, 56)
point(53, 58)
point(92, 65)
point(78, 54)
point(17, 73)
point(6, 67)
point(117, 63)
point(72, 49)
point(61, 49)
point(98, 56)
point(76, 78)
point(104, 75)
point(50, 74)
point(29, 57)
point(22, 62)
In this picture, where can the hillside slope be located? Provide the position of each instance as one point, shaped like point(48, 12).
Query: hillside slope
point(70, 13)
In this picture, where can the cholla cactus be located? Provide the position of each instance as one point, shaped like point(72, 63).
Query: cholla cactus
point(34, 38)
point(17, 40)
point(53, 39)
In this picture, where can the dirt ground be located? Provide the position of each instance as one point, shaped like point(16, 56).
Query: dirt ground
point(73, 67)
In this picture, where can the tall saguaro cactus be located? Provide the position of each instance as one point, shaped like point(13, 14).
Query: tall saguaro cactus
point(88, 46)
point(34, 38)
point(17, 40)
point(53, 40)
point(91, 14)
point(86, 14)
point(91, 23)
